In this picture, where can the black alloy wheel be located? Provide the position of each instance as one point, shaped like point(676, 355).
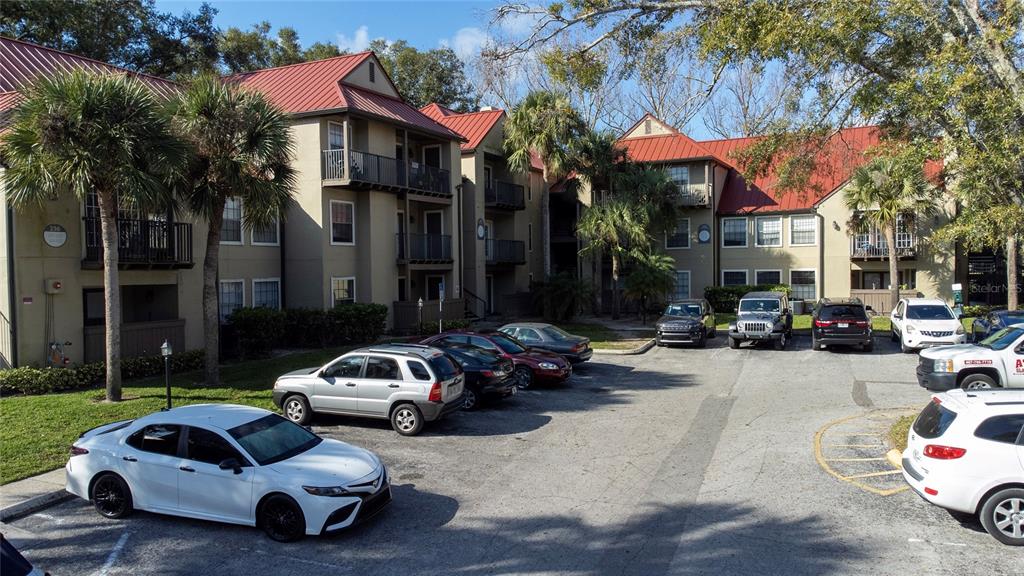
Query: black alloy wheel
point(281, 519)
point(111, 496)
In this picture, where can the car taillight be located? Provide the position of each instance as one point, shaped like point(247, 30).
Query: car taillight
point(76, 451)
point(435, 392)
point(823, 323)
point(487, 373)
point(577, 348)
point(940, 452)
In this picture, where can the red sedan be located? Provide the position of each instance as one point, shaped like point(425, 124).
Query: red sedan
point(531, 365)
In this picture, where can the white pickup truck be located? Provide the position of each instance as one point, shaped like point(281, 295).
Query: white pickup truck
point(996, 361)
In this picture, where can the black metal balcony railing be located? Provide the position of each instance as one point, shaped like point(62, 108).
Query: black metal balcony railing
point(425, 248)
point(505, 195)
point(142, 243)
point(386, 171)
point(374, 168)
point(430, 179)
point(874, 245)
point(505, 251)
point(694, 194)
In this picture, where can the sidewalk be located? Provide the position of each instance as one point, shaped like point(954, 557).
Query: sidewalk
point(30, 495)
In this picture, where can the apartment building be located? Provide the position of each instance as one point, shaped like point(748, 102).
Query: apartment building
point(501, 215)
point(734, 232)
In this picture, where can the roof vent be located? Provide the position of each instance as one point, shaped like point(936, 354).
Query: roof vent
point(647, 126)
point(487, 108)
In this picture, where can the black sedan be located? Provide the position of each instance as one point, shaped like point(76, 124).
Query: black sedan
point(488, 376)
point(994, 321)
point(573, 348)
point(686, 322)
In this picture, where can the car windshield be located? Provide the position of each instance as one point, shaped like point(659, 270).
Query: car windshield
point(929, 312)
point(683, 310)
point(556, 333)
point(507, 344)
point(759, 305)
point(1002, 339)
point(273, 439)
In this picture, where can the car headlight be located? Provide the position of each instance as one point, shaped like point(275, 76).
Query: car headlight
point(943, 366)
point(960, 329)
point(326, 490)
point(548, 366)
point(910, 328)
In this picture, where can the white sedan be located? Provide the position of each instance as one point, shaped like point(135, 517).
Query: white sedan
point(228, 463)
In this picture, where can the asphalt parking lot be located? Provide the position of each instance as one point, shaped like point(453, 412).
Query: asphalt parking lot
point(679, 461)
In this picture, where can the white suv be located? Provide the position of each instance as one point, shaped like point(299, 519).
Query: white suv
point(922, 322)
point(965, 453)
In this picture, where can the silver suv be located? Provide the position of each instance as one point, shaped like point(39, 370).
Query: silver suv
point(405, 383)
point(762, 316)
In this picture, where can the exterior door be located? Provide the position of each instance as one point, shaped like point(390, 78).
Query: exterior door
point(206, 490)
point(381, 378)
point(150, 465)
point(337, 387)
point(434, 287)
point(432, 156)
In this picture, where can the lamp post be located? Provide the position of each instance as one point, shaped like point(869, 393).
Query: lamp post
point(420, 306)
point(166, 352)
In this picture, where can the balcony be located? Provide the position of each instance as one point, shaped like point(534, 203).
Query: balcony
point(424, 248)
point(694, 194)
point(504, 252)
point(505, 195)
point(141, 244)
point(366, 169)
point(873, 245)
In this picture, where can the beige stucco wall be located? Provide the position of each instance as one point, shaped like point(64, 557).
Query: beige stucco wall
point(361, 77)
point(785, 258)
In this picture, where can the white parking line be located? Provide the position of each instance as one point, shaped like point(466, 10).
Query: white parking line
point(112, 557)
point(301, 560)
point(920, 541)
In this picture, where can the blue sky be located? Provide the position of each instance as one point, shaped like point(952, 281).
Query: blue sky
point(462, 24)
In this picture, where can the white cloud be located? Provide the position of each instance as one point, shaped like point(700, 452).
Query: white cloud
point(358, 42)
point(467, 42)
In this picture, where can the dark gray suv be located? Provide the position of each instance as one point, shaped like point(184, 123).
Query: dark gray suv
point(762, 316)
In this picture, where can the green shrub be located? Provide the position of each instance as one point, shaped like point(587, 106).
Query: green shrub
point(976, 311)
point(431, 327)
point(257, 330)
point(29, 380)
point(356, 323)
point(727, 298)
point(305, 328)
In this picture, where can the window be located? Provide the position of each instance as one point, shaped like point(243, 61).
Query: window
point(682, 286)
point(267, 235)
point(209, 447)
point(680, 237)
point(933, 421)
point(769, 231)
point(343, 290)
point(157, 438)
point(343, 226)
point(1001, 428)
point(528, 335)
point(680, 175)
point(734, 277)
point(232, 297)
point(803, 230)
point(373, 72)
point(529, 236)
point(803, 284)
point(767, 276)
point(93, 304)
point(418, 370)
point(266, 293)
point(481, 342)
point(335, 136)
point(347, 367)
point(734, 232)
point(378, 368)
point(231, 228)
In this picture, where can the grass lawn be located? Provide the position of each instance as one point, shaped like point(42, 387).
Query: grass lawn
point(39, 430)
point(899, 430)
point(803, 322)
point(603, 337)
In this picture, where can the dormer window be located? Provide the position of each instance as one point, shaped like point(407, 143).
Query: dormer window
point(373, 72)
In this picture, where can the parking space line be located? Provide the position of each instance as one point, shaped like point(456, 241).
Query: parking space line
point(819, 456)
point(856, 459)
point(854, 445)
point(873, 474)
point(112, 557)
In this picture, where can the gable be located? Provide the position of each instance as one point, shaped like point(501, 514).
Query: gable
point(369, 74)
point(648, 126)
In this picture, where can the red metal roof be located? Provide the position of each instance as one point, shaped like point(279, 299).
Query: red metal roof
point(22, 62)
point(8, 100)
point(473, 126)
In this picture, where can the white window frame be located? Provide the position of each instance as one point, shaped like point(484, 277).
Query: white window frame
point(813, 218)
point(241, 228)
point(334, 302)
point(274, 280)
point(782, 231)
point(758, 271)
point(746, 276)
point(277, 225)
point(815, 270)
point(674, 232)
point(330, 221)
point(746, 231)
point(689, 284)
point(339, 125)
point(240, 282)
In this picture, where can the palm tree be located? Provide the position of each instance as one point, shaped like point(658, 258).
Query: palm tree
point(652, 275)
point(82, 133)
point(884, 192)
point(544, 123)
point(615, 225)
point(241, 147)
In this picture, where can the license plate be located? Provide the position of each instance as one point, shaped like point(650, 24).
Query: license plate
point(844, 324)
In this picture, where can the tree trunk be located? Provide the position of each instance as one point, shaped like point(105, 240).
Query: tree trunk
point(1012, 258)
point(894, 275)
point(211, 298)
point(615, 286)
point(111, 294)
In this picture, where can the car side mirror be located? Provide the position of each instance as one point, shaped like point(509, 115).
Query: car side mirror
point(897, 315)
point(736, 310)
point(231, 464)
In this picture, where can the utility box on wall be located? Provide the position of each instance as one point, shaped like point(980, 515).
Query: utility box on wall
point(53, 286)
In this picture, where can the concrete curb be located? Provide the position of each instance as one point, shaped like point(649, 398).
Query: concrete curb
point(33, 505)
point(638, 350)
point(895, 457)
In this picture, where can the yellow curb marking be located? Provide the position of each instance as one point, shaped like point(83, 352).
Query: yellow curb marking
point(873, 474)
point(823, 462)
point(854, 445)
point(855, 459)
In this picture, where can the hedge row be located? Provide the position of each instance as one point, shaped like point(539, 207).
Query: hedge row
point(46, 380)
point(257, 331)
point(727, 298)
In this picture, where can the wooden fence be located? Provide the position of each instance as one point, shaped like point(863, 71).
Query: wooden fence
point(881, 300)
